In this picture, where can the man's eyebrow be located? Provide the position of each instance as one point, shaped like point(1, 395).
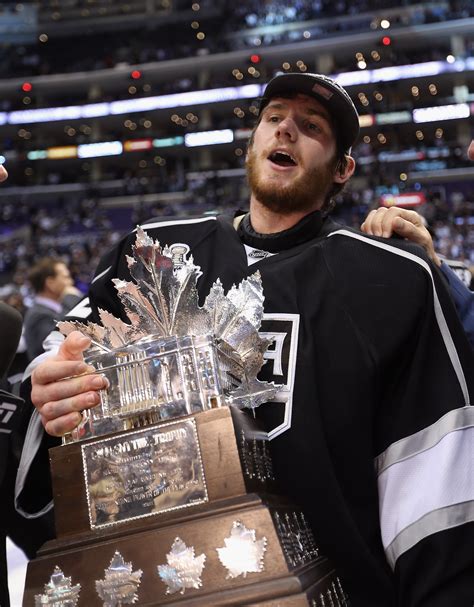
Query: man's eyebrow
point(278, 105)
point(275, 105)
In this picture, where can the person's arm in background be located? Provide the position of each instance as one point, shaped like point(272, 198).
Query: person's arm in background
point(463, 299)
point(409, 225)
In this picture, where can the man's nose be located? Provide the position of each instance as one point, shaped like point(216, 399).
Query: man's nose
point(287, 129)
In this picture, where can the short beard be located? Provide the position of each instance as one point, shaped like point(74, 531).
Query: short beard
point(305, 193)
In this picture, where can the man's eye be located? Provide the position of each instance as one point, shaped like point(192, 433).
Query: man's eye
point(312, 126)
point(273, 119)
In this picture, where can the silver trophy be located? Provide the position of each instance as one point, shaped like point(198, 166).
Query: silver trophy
point(173, 358)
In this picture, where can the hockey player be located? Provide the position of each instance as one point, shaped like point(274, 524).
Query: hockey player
point(372, 432)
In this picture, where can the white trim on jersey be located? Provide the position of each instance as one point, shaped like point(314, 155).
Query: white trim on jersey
point(33, 438)
point(285, 393)
point(175, 222)
point(426, 484)
point(99, 276)
point(35, 431)
point(457, 419)
point(434, 522)
point(83, 308)
point(443, 325)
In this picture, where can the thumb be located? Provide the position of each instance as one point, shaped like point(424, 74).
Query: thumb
point(73, 346)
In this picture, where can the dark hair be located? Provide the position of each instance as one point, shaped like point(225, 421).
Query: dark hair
point(340, 160)
point(41, 271)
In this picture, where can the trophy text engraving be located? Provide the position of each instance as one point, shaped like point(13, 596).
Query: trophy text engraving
point(143, 473)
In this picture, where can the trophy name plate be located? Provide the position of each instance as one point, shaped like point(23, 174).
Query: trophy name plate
point(140, 473)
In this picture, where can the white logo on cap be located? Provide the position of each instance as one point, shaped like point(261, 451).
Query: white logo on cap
point(324, 92)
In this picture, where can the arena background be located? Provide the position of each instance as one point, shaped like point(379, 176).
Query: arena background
point(113, 111)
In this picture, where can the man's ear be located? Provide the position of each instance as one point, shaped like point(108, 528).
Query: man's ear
point(47, 283)
point(345, 171)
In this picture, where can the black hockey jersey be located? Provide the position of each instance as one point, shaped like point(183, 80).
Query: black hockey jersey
point(372, 431)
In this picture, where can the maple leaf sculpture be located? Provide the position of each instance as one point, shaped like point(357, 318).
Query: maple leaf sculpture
point(161, 301)
point(120, 584)
point(59, 591)
point(183, 570)
point(242, 553)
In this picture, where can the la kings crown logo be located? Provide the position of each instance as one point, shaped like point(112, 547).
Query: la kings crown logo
point(280, 367)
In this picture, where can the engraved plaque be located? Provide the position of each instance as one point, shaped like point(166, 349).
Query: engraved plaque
point(256, 458)
point(143, 473)
point(296, 538)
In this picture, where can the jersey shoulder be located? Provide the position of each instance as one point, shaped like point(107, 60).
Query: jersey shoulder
point(374, 269)
point(191, 230)
point(159, 223)
point(354, 248)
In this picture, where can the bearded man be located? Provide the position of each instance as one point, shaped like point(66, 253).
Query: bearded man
point(371, 432)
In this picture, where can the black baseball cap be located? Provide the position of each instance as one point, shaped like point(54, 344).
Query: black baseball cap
point(326, 91)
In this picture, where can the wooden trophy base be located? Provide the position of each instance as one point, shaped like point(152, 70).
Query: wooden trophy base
point(235, 547)
point(276, 584)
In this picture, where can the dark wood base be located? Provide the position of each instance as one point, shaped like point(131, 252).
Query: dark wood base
point(240, 489)
point(277, 584)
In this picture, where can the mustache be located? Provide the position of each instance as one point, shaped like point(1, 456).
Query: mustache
point(267, 152)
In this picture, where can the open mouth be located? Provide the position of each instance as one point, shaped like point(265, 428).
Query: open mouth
point(282, 159)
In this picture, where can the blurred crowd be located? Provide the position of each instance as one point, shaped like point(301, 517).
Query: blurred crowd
point(254, 13)
point(317, 17)
point(217, 79)
point(107, 50)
